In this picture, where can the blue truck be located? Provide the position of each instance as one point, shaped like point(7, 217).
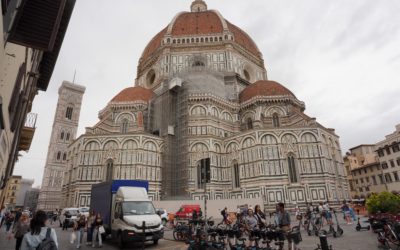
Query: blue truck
point(128, 214)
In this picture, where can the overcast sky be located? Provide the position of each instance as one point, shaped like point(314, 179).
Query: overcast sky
point(342, 58)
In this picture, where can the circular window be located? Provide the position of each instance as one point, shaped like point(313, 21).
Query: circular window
point(151, 77)
point(246, 75)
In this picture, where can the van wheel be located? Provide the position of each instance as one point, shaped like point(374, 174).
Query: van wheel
point(156, 242)
point(121, 243)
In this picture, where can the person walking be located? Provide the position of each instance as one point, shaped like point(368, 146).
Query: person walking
point(67, 220)
point(9, 220)
point(38, 232)
point(260, 216)
point(89, 224)
point(224, 213)
point(21, 227)
point(346, 211)
point(79, 227)
point(2, 215)
point(282, 219)
point(98, 222)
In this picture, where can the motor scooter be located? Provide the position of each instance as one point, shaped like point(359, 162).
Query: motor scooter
point(339, 230)
point(362, 228)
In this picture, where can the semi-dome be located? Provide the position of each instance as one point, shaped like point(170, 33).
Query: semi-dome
point(200, 21)
point(264, 88)
point(132, 94)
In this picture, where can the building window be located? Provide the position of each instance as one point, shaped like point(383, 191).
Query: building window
point(356, 181)
point(381, 179)
point(64, 156)
point(388, 150)
point(398, 161)
point(362, 180)
point(361, 189)
point(367, 179)
point(198, 64)
point(275, 120)
point(392, 163)
point(380, 152)
point(68, 113)
point(384, 165)
point(58, 155)
point(396, 176)
point(67, 138)
point(374, 179)
point(109, 170)
point(124, 126)
point(366, 188)
point(249, 123)
point(236, 177)
point(365, 170)
point(203, 172)
point(292, 169)
point(388, 178)
point(62, 135)
point(395, 147)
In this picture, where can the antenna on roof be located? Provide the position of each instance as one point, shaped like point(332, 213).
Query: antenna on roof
point(73, 80)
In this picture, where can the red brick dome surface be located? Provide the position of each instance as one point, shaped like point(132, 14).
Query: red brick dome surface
point(264, 88)
point(201, 23)
point(133, 94)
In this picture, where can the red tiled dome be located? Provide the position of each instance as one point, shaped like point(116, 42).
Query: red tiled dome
point(201, 23)
point(264, 88)
point(133, 94)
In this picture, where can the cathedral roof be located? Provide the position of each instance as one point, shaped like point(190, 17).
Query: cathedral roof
point(264, 88)
point(201, 22)
point(132, 94)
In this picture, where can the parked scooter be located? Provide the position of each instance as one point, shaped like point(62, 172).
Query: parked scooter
point(361, 228)
point(339, 230)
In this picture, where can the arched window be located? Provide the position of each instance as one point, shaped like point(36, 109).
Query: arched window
point(109, 170)
point(58, 155)
point(249, 123)
point(198, 64)
point(67, 138)
point(246, 75)
point(62, 135)
point(235, 174)
point(124, 126)
point(68, 113)
point(275, 120)
point(292, 169)
point(64, 157)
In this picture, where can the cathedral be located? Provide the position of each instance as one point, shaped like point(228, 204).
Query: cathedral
point(204, 119)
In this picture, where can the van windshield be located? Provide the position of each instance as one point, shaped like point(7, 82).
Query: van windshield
point(138, 207)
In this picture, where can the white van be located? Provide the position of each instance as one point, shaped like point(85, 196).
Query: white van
point(131, 208)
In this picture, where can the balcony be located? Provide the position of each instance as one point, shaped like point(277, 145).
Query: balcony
point(27, 132)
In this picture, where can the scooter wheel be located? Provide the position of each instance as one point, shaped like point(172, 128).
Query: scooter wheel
point(334, 235)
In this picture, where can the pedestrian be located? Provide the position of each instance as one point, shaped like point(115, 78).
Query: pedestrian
point(224, 213)
point(90, 221)
point(21, 227)
point(282, 219)
point(346, 211)
point(9, 220)
point(260, 216)
point(327, 213)
point(98, 223)
point(38, 233)
point(79, 227)
point(67, 219)
point(2, 215)
point(18, 214)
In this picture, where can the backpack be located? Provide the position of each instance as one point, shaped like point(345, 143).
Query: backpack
point(47, 243)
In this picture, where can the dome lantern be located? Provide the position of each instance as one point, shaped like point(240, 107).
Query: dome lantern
point(198, 6)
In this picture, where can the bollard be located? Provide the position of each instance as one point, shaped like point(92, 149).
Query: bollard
point(324, 241)
point(144, 233)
